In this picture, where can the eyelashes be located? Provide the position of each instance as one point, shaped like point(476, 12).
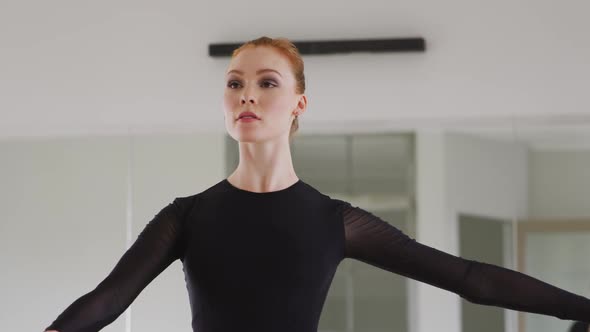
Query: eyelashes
point(264, 83)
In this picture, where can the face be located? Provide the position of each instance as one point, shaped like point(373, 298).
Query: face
point(260, 80)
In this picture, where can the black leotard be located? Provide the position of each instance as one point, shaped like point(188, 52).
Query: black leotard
point(263, 262)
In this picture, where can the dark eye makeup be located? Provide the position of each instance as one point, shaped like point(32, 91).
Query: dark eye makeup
point(264, 82)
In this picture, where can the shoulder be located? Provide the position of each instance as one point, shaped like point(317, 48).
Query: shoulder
point(336, 205)
point(184, 204)
point(191, 200)
point(312, 195)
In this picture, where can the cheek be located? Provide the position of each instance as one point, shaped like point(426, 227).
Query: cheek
point(229, 102)
point(276, 104)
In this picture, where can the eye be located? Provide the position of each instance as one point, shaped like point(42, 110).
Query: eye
point(231, 84)
point(264, 83)
point(272, 84)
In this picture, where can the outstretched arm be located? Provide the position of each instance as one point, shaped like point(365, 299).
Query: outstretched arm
point(376, 242)
point(156, 247)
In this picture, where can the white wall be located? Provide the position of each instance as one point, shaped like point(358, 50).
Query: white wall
point(559, 184)
point(487, 177)
point(101, 67)
point(62, 225)
point(64, 216)
point(459, 173)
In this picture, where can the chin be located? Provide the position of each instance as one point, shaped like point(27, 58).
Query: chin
point(245, 137)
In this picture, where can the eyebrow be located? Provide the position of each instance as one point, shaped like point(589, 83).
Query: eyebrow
point(257, 72)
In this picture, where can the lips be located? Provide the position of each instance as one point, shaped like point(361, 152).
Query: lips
point(251, 114)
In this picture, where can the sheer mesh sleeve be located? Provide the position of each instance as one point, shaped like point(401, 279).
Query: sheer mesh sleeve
point(156, 247)
point(374, 241)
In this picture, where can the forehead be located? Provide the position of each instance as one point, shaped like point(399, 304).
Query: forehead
point(251, 59)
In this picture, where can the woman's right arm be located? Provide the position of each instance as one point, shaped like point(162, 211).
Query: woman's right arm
point(156, 247)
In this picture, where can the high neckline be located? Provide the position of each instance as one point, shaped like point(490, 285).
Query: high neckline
point(289, 188)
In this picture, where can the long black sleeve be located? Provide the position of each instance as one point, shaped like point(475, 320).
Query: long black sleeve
point(156, 247)
point(374, 241)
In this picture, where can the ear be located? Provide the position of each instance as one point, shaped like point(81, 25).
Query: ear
point(301, 105)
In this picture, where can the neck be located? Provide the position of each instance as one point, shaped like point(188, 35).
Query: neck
point(264, 167)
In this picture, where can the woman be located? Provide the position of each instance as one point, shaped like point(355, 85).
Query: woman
point(260, 248)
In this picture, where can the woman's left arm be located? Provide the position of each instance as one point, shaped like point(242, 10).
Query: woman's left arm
point(374, 241)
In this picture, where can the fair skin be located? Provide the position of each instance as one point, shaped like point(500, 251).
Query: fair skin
point(265, 163)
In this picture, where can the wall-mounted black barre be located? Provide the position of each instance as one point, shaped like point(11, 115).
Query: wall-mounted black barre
point(337, 46)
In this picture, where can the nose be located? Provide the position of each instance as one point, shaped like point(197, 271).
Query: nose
point(247, 99)
point(248, 96)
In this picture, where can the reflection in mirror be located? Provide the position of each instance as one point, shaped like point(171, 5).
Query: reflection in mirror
point(554, 228)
